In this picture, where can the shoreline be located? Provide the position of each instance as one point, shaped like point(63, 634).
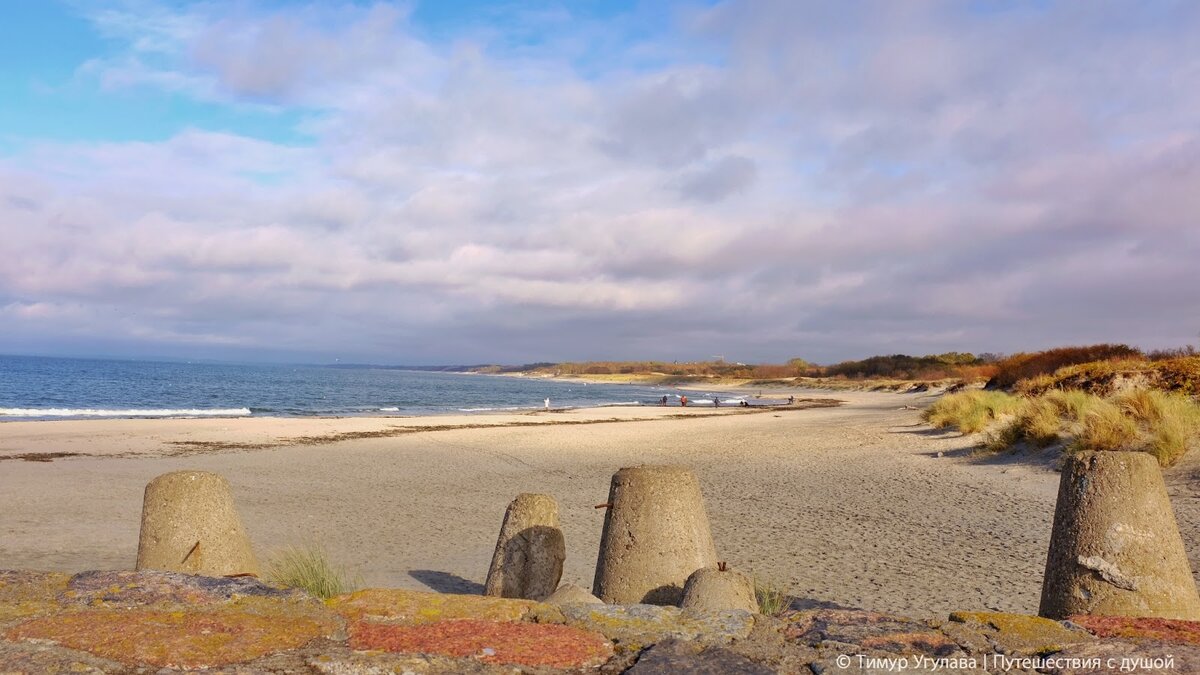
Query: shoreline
point(729, 390)
point(181, 436)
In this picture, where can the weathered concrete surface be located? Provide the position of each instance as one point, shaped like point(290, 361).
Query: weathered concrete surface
point(150, 587)
point(1116, 549)
point(418, 607)
point(635, 626)
point(529, 555)
point(1019, 634)
point(1135, 656)
point(712, 589)
point(190, 524)
point(678, 657)
point(162, 622)
point(656, 533)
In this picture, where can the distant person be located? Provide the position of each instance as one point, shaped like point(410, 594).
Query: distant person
point(683, 401)
point(791, 400)
point(716, 402)
point(664, 399)
point(745, 403)
point(547, 403)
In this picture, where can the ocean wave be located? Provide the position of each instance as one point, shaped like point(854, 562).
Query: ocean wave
point(391, 409)
point(101, 412)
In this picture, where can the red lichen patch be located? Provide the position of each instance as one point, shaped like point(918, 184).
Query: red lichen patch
point(1166, 630)
point(194, 639)
point(500, 642)
point(25, 593)
point(910, 643)
point(416, 607)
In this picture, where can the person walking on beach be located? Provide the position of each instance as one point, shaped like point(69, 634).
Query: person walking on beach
point(547, 403)
point(683, 401)
point(664, 399)
point(791, 400)
point(716, 402)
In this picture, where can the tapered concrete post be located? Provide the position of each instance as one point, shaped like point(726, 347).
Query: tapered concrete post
point(713, 589)
point(530, 551)
point(655, 535)
point(190, 524)
point(1115, 549)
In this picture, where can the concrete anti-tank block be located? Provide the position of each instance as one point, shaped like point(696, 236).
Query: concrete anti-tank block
point(714, 589)
point(529, 555)
point(1116, 549)
point(656, 534)
point(190, 524)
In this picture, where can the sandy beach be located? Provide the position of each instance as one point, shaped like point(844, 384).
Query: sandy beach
point(849, 505)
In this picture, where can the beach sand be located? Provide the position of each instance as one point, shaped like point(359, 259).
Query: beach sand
point(848, 505)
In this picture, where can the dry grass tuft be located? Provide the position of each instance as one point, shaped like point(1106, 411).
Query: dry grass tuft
point(772, 599)
point(309, 568)
point(1105, 427)
point(970, 411)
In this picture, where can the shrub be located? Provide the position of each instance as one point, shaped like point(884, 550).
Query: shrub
point(970, 411)
point(1023, 366)
point(309, 568)
point(1181, 375)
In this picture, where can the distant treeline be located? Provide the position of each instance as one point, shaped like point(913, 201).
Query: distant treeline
point(895, 366)
point(1002, 371)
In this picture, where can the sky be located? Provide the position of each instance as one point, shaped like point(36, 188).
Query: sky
point(448, 182)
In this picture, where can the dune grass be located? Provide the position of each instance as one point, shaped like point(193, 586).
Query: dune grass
point(970, 411)
point(308, 567)
point(1163, 424)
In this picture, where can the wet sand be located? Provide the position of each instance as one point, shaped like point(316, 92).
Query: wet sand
point(848, 505)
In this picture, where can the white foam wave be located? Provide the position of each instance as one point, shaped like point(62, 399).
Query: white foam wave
point(391, 409)
point(101, 412)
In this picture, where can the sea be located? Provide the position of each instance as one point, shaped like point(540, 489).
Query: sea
point(34, 388)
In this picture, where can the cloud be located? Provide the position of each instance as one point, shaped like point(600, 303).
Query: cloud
point(764, 179)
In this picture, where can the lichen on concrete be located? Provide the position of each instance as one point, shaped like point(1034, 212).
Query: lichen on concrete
point(634, 626)
point(504, 642)
point(182, 638)
point(25, 593)
point(1020, 634)
point(417, 607)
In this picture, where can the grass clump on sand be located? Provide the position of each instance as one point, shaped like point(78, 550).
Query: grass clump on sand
point(309, 568)
point(970, 411)
point(772, 599)
point(1161, 423)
